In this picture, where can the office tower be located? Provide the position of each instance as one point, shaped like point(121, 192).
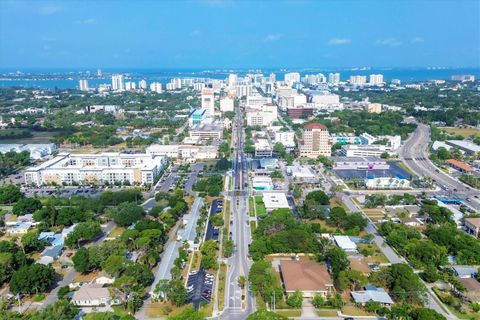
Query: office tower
point(273, 77)
point(117, 82)
point(99, 72)
point(208, 102)
point(334, 78)
point(156, 87)
point(315, 141)
point(142, 84)
point(375, 79)
point(83, 85)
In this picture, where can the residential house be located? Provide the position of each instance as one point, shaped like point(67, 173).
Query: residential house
point(372, 293)
point(472, 226)
point(91, 295)
point(308, 277)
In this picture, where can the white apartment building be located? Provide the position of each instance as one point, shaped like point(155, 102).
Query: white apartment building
point(291, 78)
point(315, 141)
point(156, 87)
point(118, 82)
point(374, 107)
point(232, 80)
point(109, 167)
point(207, 131)
point(287, 138)
point(358, 80)
point(142, 84)
point(227, 104)
point(208, 102)
point(263, 148)
point(334, 78)
point(375, 79)
point(255, 100)
point(243, 89)
point(130, 85)
point(263, 116)
point(37, 151)
point(186, 152)
point(374, 150)
point(83, 85)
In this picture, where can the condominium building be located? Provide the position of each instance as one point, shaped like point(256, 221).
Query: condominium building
point(315, 141)
point(263, 116)
point(111, 167)
point(83, 85)
point(291, 78)
point(188, 153)
point(286, 138)
point(375, 79)
point(232, 80)
point(374, 107)
point(334, 78)
point(156, 87)
point(117, 82)
point(358, 80)
point(263, 148)
point(207, 131)
point(130, 85)
point(142, 84)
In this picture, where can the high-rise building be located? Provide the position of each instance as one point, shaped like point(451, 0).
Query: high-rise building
point(227, 104)
point(334, 78)
point(99, 72)
point(232, 80)
point(208, 102)
point(142, 84)
point(375, 79)
point(358, 80)
point(292, 77)
point(117, 82)
point(273, 77)
point(156, 87)
point(83, 85)
point(315, 141)
point(130, 85)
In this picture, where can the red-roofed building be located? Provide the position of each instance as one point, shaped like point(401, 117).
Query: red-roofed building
point(460, 166)
point(315, 141)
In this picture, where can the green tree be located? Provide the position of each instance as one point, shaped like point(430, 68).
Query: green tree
point(295, 299)
point(318, 301)
point(338, 260)
point(351, 279)
point(26, 205)
point(10, 193)
point(31, 243)
point(81, 260)
point(114, 264)
point(426, 314)
point(177, 293)
point(126, 214)
point(32, 279)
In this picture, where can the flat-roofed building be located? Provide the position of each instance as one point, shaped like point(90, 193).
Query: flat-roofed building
point(275, 200)
point(345, 243)
point(315, 141)
point(207, 131)
point(464, 145)
point(472, 226)
point(263, 148)
point(308, 277)
point(107, 167)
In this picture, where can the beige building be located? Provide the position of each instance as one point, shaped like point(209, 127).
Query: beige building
point(315, 141)
point(374, 108)
point(472, 226)
point(308, 277)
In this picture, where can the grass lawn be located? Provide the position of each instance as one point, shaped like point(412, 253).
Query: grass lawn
point(374, 214)
point(336, 203)
point(327, 313)
point(253, 226)
point(251, 207)
point(324, 225)
point(85, 277)
point(162, 309)
point(116, 232)
point(405, 167)
point(260, 206)
point(354, 311)
point(465, 132)
point(378, 257)
point(289, 313)
point(222, 277)
point(196, 261)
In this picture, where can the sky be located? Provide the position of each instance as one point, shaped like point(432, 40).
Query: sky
point(239, 34)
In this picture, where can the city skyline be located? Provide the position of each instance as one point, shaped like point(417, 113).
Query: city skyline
point(230, 34)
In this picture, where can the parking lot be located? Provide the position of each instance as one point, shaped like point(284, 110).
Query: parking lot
point(65, 192)
point(394, 171)
point(212, 232)
point(199, 287)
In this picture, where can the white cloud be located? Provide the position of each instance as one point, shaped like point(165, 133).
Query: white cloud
point(417, 40)
point(339, 41)
point(391, 42)
point(195, 33)
point(87, 21)
point(273, 37)
point(49, 9)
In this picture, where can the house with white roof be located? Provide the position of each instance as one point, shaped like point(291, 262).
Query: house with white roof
point(345, 243)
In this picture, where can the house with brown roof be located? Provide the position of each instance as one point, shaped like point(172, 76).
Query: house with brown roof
point(473, 289)
point(359, 264)
point(305, 276)
point(472, 226)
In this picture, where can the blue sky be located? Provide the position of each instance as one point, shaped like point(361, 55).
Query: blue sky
point(231, 34)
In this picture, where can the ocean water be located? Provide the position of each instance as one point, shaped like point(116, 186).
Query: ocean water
point(68, 79)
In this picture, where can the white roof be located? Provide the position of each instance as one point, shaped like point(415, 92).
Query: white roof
point(440, 144)
point(378, 295)
point(275, 200)
point(345, 243)
point(465, 144)
point(260, 179)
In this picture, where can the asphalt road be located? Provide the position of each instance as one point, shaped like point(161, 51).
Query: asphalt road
point(414, 154)
point(239, 263)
